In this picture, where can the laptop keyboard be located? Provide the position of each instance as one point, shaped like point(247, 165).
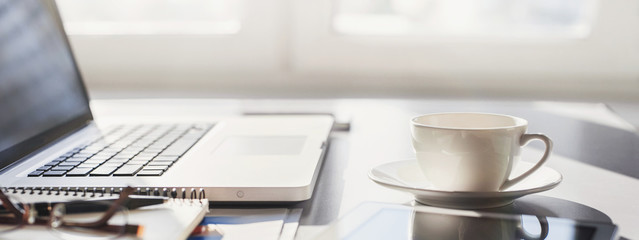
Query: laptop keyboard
point(141, 150)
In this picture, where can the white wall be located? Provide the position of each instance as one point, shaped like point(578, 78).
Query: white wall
point(286, 48)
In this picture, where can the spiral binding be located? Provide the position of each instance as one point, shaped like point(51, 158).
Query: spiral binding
point(174, 193)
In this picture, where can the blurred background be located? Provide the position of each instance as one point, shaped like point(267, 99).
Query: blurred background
point(581, 50)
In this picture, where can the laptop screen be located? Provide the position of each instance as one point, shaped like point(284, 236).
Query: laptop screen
point(42, 96)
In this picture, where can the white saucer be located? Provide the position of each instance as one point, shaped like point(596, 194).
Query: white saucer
point(406, 176)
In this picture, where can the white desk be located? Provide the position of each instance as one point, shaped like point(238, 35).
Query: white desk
point(596, 151)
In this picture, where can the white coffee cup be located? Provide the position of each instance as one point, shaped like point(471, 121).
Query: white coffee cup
point(473, 152)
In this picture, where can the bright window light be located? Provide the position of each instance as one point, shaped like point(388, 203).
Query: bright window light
point(126, 17)
point(477, 18)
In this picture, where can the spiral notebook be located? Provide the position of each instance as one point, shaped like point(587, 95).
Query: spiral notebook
point(174, 219)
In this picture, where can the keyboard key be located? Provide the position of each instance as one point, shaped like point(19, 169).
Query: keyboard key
point(103, 171)
point(151, 167)
point(70, 163)
point(141, 162)
point(54, 173)
point(166, 161)
point(151, 151)
point(160, 163)
point(94, 161)
point(128, 170)
point(100, 157)
point(141, 144)
point(82, 155)
point(110, 150)
point(143, 158)
point(118, 160)
point(124, 155)
point(62, 168)
point(156, 148)
point(93, 148)
point(74, 159)
point(79, 171)
point(44, 168)
point(113, 164)
point(144, 172)
point(88, 165)
point(166, 158)
point(133, 149)
point(35, 173)
point(146, 154)
point(166, 155)
point(52, 163)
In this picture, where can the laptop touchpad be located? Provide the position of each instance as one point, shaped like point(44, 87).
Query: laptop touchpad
point(261, 145)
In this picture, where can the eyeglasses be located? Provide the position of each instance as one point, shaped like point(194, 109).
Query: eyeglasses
point(71, 220)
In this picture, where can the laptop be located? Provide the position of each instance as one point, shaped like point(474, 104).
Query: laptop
point(51, 144)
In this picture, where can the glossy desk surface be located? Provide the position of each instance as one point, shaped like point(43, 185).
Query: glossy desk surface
point(596, 151)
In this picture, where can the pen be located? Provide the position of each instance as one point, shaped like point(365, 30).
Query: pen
point(87, 206)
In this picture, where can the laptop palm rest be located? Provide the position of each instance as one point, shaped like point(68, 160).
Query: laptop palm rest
point(260, 145)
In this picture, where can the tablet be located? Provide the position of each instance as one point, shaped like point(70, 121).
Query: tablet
point(388, 221)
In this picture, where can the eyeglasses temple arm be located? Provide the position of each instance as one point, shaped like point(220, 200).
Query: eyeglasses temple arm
point(117, 204)
point(9, 205)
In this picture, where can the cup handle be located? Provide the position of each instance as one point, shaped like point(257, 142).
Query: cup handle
point(543, 222)
point(523, 141)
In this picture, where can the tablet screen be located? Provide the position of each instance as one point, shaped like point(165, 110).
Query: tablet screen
point(384, 221)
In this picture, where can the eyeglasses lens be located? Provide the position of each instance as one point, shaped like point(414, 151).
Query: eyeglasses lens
point(75, 220)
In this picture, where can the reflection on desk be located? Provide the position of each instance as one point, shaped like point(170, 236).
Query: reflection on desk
point(387, 221)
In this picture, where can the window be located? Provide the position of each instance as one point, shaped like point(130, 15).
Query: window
point(492, 18)
point(296, 47)
point(172, 43)
point(130, 17)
